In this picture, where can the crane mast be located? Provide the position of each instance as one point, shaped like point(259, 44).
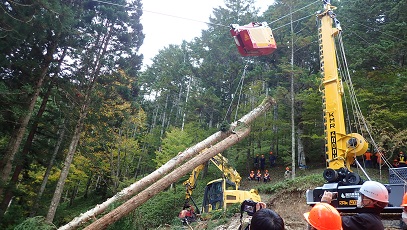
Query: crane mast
point(341, 148)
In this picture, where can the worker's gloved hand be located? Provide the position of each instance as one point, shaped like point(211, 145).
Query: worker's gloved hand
point(260, 205)
point(327, 197)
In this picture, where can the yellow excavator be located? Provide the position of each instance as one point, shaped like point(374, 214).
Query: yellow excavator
point(219, 193)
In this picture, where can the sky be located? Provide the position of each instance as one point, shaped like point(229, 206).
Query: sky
point(168, 22)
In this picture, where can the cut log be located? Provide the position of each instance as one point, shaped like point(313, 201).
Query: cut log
point(166, 181)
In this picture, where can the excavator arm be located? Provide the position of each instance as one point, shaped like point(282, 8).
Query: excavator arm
point(229, 172)
point(219, 193)
point(222, 164)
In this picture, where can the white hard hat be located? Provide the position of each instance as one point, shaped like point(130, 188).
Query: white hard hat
point(375, 191)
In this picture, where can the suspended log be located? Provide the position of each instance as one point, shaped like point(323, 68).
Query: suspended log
point(166, 181)
point(167, 167)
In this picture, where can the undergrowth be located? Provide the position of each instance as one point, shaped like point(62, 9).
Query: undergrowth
point(290, 185)
point(35, 223)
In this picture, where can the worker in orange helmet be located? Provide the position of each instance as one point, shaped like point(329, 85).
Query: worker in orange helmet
point(323, 217)
point(287, 173)
point(404, 213)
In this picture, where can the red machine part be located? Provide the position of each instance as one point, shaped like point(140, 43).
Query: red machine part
point(254, 39)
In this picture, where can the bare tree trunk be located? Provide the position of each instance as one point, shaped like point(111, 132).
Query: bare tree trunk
point(274, 142)
point(48, 171)
point(210, 125)
point(293, 162)
point(155, 114)
point(67, 164)
point(186, 103)
point(163, 119)
point(300, 147)
point(138, 167)
point(167, 167)
point(105, 39)
point(166, 181)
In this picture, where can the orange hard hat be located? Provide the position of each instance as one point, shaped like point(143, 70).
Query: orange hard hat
point(323, 216)
point(404, 203)
point(287, 168)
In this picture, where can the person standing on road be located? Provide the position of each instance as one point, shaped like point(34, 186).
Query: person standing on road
point(373, 197)
point(323, 217)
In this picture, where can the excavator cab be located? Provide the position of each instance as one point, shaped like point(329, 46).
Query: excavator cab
point(213, 196)
point(254, 39)
point(222, 193)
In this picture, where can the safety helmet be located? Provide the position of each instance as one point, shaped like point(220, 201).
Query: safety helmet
point(287, 168)
point(324, 217)
point(375, 191)
point(404, 203)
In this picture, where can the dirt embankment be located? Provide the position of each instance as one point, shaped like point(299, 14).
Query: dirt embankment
point(291, 208)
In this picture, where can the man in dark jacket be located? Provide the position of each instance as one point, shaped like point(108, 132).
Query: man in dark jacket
point(373, 197)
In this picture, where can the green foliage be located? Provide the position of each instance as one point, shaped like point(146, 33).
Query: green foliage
point(174, 142)
point(67, 211)
point(35, 223)
point(298, 184)
point(159, 210)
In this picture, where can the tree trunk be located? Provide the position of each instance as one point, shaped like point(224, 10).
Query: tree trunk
point(48, 171)
point(85, 195)
point(300, 147)
point(22, 162)
point(163, 119)
point(14, 143)
point(274, 142)
point(167, 167)
point(138, 167)
point(67, 164)
point(166, 181)
point(293, 162)
point(186, 103)
point(78, 128)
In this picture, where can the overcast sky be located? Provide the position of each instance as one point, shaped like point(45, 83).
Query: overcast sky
point(171, 21)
